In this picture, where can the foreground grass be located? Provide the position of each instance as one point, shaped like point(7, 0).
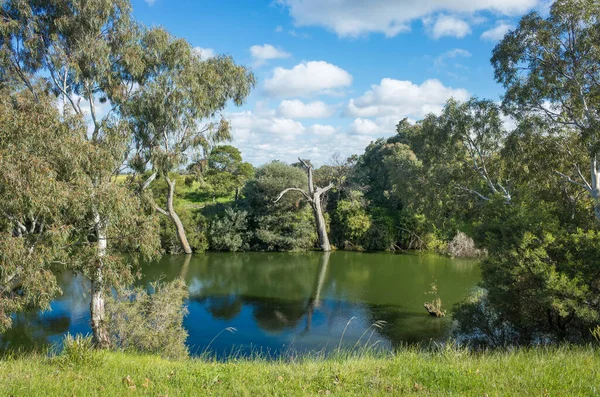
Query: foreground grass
point(535, 372)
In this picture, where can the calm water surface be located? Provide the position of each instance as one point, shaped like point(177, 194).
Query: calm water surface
point(281, 301)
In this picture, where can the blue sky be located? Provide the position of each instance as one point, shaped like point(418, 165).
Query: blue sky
point(334, 75)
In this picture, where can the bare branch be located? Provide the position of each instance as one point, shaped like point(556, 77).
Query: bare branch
point(571, 180)
point(481, 196)
point(325, 189)
point(295, 189)
point(158, 209)
point(148, 181)
point(304, 163)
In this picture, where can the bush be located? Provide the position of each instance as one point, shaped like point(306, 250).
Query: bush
point(292, 231)
point(463, 246)
point(77, 350)
point(150, 322)
point(230, 232)
point(351, 222)
point(287, 225)
point(479, 325)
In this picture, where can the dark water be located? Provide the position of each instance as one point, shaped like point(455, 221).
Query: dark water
point(277, 302)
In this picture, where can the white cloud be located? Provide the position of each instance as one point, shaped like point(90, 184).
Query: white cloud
point(497, 33)
point(263, 53)
point(452, 54)
point(448, 25)
point(362, 126)
point(296, 109)
point(402, 98)
point(150, 2)
point(352, 18)
point(307, 78)
point(262, 136)
point(279, 29)
point(321, 130)
point(205, 53)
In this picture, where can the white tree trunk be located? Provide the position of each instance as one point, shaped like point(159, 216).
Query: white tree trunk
point(314, 198)
point(185, 245)
point(320, 223)
point(97, 310)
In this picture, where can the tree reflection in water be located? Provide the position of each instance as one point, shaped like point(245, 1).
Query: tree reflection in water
point(278, 299)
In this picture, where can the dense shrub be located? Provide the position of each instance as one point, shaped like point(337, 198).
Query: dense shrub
point(150, 322)
point(287, 225)
point(230, 231)
point(541, 280)
point(350, 222)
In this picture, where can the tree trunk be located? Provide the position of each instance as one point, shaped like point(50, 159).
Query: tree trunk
point(320, 223)
point(185, 245)
point(313, 196)
point(97, 311)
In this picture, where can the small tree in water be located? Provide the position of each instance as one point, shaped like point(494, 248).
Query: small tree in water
point(435, 306)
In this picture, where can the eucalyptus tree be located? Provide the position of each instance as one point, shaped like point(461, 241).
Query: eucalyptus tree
point(34, 202)
point(314, 195)
point(459, 148)
point(88, 54)
point(226, 171)
point(173, 108)
point(550, 67)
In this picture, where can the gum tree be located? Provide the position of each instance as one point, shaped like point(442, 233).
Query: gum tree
point(88, 54)
point(550, 68)
point(172, 110)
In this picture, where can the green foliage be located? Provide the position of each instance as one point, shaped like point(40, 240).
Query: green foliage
point(541, 279)
point(230, 232)
point(351, 222)
point(287, 225)
point(150, 321)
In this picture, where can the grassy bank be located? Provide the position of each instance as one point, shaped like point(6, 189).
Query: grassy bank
point(535, 372)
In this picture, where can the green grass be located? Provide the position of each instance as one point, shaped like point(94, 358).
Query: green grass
point(528, 372)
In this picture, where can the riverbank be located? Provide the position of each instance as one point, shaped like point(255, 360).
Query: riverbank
point(535, 372)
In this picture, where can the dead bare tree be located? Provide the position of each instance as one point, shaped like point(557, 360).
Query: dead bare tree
point(314, 196)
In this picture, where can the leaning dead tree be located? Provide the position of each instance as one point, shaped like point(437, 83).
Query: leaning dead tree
point(314, 196)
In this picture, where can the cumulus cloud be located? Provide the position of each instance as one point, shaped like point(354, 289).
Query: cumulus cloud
point(307, 78)
point(403, 98)
point(352, 18)
point(263, 137)
point(497, 33)
point(205, 53)
point(448, 25)
point(296, 109)
point(263, 53)
point(362, 126)
point(150, 2)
